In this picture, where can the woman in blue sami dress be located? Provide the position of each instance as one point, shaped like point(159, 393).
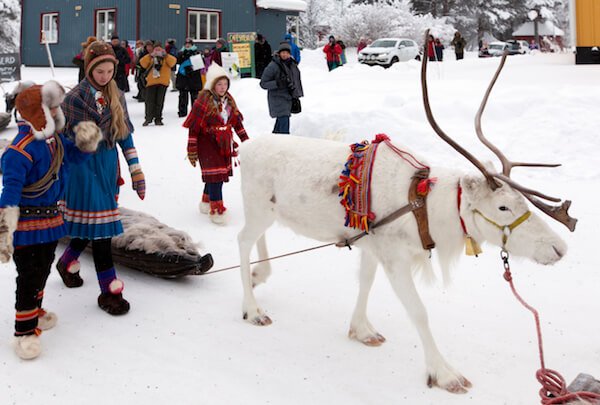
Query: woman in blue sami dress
point(91, 209)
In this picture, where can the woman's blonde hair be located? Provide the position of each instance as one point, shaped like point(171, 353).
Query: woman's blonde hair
point(118, 127)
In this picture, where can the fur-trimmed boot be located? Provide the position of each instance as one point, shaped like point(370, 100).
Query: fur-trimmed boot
point(68, 268)
point(111, 298)
point(28, 347)
point(217, 212)
point(46, 320)
point(204, 205)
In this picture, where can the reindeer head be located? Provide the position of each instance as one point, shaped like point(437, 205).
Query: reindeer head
point(496, 204)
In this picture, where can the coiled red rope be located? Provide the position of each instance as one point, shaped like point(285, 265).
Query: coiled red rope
point(553, 389)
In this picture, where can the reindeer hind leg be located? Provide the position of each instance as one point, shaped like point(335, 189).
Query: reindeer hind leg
point(262, 270)
point(253, 230)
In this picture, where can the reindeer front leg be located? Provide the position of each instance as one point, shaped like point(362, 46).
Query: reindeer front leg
point(439, 372)
point(360, 327)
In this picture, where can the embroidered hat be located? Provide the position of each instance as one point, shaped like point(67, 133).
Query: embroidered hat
point(34, 104)
point(96, 53)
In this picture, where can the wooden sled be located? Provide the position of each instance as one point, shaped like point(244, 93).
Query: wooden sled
point(152, 247)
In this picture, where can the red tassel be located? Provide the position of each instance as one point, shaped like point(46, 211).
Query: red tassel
point(380, 138)
point(425, 185)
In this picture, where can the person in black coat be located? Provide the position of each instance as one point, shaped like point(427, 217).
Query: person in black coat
point(124, 59)
point(188, 81)
point(262, 54)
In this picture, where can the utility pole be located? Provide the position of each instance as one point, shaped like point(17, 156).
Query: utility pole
point(534, 16)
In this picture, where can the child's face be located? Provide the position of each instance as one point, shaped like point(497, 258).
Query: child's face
point(103, 73)
point(221, 87)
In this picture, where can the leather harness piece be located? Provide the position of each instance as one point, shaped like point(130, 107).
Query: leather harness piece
point(421, 212)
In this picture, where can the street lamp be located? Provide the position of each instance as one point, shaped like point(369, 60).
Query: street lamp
point(534, 16)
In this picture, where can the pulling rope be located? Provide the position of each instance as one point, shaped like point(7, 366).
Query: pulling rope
point(553, 389)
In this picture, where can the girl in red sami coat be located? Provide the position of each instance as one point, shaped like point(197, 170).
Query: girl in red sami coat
point(211, 122)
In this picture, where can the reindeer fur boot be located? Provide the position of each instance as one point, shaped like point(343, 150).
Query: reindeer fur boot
point(70, 273)
point(204, 205)
point(217, 212)
point(28, 347)
point(46, 320)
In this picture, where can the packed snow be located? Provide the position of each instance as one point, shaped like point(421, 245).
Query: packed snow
point(185, 342)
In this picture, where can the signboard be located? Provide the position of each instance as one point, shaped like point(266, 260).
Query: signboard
point(10, 67)
point(197, 61)
point(231, 63)
point(242, 43)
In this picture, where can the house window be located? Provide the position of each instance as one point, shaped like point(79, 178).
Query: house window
point(203, 25)
point(49, 28)
point(105, 24)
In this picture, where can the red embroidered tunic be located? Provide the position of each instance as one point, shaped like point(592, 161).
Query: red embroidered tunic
point(211, 138)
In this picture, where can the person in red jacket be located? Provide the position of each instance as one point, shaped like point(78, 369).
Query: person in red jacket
point(332, 53)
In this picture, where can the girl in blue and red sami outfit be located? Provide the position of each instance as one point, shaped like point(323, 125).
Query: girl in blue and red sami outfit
point(211, 122)
point(34, 170)
point(91, 210)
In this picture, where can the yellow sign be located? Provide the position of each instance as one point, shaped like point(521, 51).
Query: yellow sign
point(243, 51)
point(234, 37)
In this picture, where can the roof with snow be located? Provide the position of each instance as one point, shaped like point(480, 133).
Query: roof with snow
point(288, 5)
point(545, 28)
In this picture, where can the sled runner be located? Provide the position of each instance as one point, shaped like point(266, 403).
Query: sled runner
point(154, 248)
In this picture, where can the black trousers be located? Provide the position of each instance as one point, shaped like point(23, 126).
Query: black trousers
point(155, 101)
point(33, 268)
point(184, 96)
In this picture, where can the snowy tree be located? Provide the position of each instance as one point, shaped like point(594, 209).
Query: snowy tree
point(316, 17)
point(10, 14)
point(387, 18)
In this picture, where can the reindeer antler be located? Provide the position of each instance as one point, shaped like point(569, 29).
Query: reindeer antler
point(558, 213)
point(489, 177)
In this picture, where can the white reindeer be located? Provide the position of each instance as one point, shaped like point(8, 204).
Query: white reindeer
point(292, 179)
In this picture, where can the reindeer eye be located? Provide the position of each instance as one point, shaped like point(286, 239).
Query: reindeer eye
point(503, 208)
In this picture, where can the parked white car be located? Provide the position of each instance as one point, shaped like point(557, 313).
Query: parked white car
point(387, 51)
point(497, 48)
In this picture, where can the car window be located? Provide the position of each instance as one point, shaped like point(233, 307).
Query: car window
point(406, 43)
point(384, 43)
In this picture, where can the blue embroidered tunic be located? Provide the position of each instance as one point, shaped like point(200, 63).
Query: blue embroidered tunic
point(91, 209)
point(24, 162)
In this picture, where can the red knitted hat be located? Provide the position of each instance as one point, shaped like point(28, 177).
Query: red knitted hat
point(34, 104)
point(96, 53)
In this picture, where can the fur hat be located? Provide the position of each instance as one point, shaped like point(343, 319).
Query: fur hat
point(34, 104)
point(88, 42)
point(285, 46)
point(95, 54)
point(214, 73)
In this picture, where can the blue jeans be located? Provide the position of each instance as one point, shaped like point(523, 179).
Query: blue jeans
point(282, 125)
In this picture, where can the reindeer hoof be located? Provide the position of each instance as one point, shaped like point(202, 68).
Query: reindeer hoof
point(460, 385)
point(259, 320)
point(371, 340)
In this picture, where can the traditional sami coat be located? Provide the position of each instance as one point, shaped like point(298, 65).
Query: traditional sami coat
point(91, 209)
point(24, 162)
point(214, 147)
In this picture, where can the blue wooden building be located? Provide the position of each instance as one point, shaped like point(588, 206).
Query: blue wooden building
point(65, 24)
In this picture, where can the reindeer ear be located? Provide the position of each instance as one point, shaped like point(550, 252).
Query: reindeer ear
point(473, 185)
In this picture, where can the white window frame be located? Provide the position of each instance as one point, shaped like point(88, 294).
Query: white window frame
point(106, 34)
point(51, 35)
point(197, 14)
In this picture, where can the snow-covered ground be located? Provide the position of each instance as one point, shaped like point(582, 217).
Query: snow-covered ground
point(185, 341)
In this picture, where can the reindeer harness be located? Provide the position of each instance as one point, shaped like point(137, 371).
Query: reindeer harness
point(355, 191)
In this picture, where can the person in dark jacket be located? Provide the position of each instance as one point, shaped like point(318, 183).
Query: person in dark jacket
point(459, 43)
point(439, 50)
point(189, 81)
point(282, 81)
point(220, 47)
point(124, 59)
point(262, 54)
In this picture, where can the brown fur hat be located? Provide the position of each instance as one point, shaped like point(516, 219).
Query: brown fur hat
point(96, 53)
point(88, 42)
point(34, 104)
